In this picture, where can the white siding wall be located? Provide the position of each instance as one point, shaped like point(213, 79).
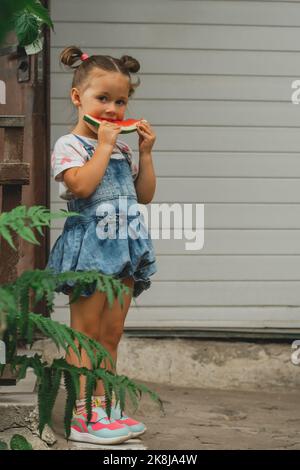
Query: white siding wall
point(216, 86)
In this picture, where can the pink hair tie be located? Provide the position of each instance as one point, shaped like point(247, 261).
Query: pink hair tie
point(84, 57)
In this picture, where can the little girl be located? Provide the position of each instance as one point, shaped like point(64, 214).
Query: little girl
point(97, 171)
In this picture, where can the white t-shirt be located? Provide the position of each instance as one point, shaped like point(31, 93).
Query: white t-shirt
point(69, 152)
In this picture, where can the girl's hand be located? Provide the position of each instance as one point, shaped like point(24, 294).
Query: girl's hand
point(108, 133)
point(147, 137)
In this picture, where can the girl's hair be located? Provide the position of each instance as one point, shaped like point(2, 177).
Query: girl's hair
point(126, 65)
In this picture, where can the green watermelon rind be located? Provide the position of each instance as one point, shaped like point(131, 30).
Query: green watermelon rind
point(94, 122)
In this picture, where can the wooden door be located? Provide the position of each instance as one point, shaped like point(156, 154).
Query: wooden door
point(24, 148)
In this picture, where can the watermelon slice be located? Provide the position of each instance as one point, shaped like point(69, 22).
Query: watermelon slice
point(129, 125)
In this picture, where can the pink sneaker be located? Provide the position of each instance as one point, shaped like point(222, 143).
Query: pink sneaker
point(101, 429)
point(135, 427)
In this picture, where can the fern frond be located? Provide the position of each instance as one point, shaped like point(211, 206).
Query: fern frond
point(70, 400)
point(109, 387)
point(122, 397)
point(37, 365)
point(109, 292)
point(24, 302)
point(89, 392)
point(55, 383)
point(43, 395)
point(21, 219)
point(85, 344)
point(24, 364)
point(44, 283)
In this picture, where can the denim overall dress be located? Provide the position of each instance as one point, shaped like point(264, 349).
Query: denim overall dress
point(83, 244)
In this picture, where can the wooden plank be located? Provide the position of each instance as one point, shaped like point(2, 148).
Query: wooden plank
point(14, 173)
point(212, 139)
point(226, 190)
point(165, 61)
point(227, 268)
point(231, 190)
point(221, 164)
point(281, 13)
point(199, 317)
point(164, 87)
point(259, 317)
point(234, 216)
point(225, 242)
point(207, 113)
point(11, 121)
point(218, 294)
point(178, 36)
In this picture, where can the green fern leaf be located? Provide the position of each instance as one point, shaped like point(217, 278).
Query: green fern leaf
point(44, 385)
point(122, 395)
point(27, 234)
point(4, 232)
point(46, 328)
point(108, 390)
point(55, 383)
point(70, 401)
point(89, 391)
point(23, 370)
point(109, 291)
point(85, 344)
point(37, 365)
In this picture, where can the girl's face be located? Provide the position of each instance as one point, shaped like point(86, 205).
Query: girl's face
point(104, 95)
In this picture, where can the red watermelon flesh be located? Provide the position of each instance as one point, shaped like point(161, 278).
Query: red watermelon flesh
point(128, 125)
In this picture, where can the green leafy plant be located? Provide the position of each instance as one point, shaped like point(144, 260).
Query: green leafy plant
point(17, 442)
point(3, 445)
point(25, 17)
point(20, 322)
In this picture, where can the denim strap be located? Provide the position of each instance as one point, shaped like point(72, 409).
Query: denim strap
point(91, 149)
point(88, 147)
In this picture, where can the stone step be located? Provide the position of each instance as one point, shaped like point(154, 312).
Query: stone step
point(18, 411)
point(17, 402)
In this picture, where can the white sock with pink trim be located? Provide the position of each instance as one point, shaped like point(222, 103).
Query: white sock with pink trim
point(80, 406)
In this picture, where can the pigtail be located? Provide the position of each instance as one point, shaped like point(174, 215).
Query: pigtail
point(70, 55)
point(130, 63)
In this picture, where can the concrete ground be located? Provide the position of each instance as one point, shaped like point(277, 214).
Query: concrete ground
point(211, 419)
point(194, 419)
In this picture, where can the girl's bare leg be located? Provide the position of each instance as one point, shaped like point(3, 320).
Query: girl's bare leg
point(111, 328)
point(85, 318)
point(93, 317)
